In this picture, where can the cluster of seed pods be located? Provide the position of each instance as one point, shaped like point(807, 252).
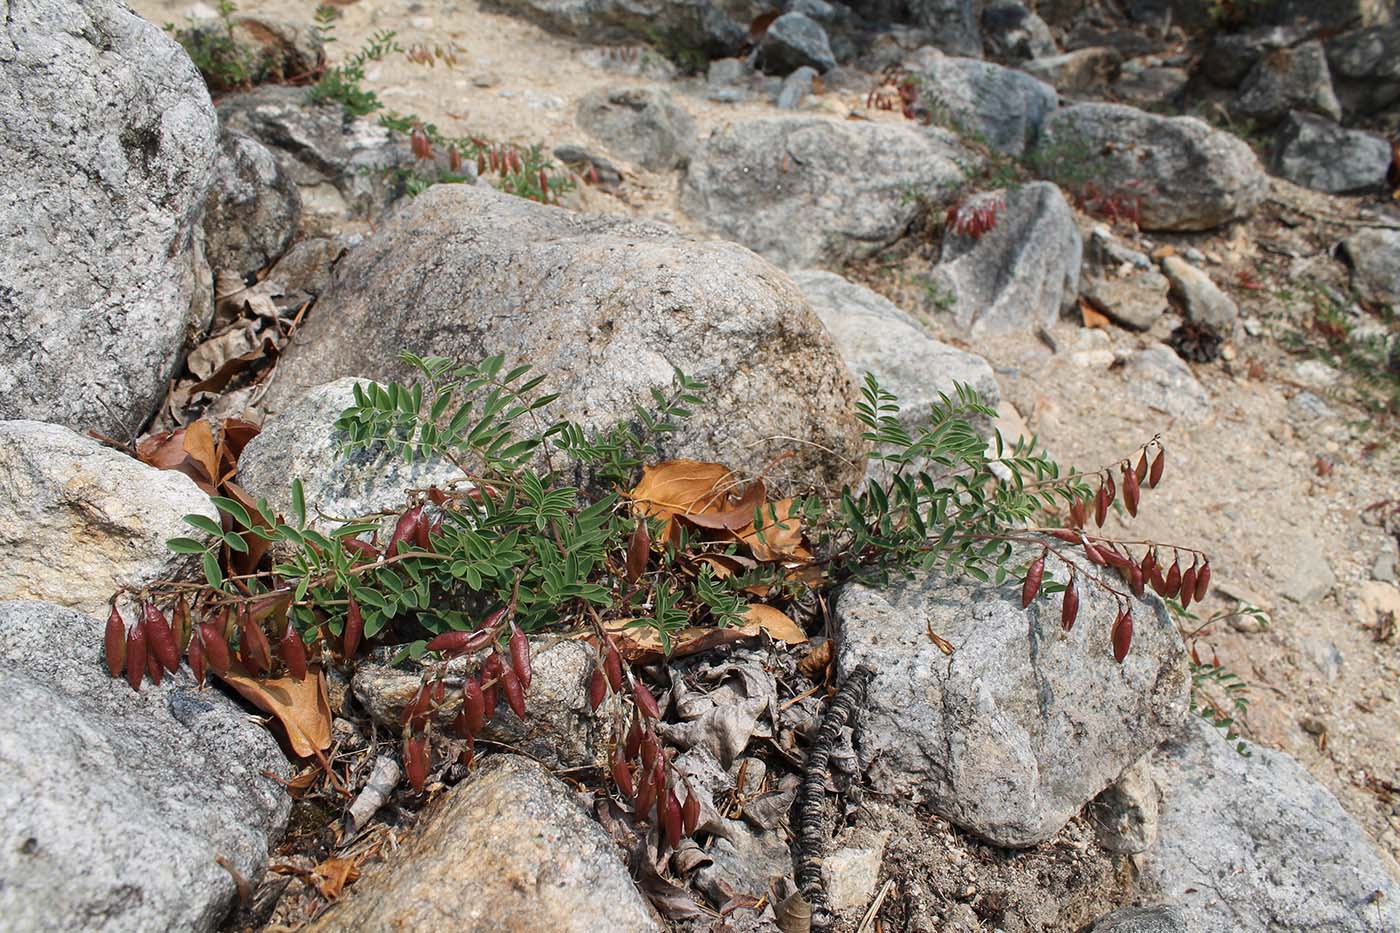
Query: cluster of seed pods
point(642, 770)
point(1187, 585)
point(153, 644)
point(972, 217)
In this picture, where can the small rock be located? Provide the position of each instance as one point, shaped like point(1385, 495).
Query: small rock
point(1375, 265)
point(1309, 405)
point(1137, 300)
point(118, 803)
point(1204, 302)
point(1125, 815)
point(1384, 568)
point(641, 124)
point(582, 161)
point(743, 862)
point(851, 875)
point(511, 846)
point(1287, 79)
point(253, 208)
point(796, 87)
point(1315, 373)
point(1326, 657)
point(1005, 107)
point(1151, 88)
point(1303, 573)
point(1364, 67)
point(1108, 253)
point(1255, 844)
point(1013, 33)
point(1316, 153)
point(792, 41)
point(725, 71)
point(1078, 71)
point(1232, 55)
point(1157, 377)
point(78, 520)
point(1160, 919)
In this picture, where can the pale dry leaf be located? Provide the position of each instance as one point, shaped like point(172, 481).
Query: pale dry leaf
point(302, 707)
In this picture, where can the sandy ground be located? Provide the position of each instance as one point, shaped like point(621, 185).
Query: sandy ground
point(1245, 484)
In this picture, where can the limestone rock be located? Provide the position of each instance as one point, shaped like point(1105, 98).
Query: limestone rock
point(78, 520)
point(115, 804)
point(1020, 274)
point(1255, 844)
point(1022, 725)
point(509, 848)
point(1183, 174)
point(605, 309)
point(807, 191)
point(107, 137)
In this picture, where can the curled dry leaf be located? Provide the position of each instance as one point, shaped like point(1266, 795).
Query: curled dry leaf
point(644, 646)
point(302, 707)
point(333, 875)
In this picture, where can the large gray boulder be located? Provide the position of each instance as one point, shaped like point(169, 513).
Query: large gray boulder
point(1181, 173)
point(114, 805)
point(1232, 55)
point(1288, 79)
point(1022, 725)
point(78, 520)
point(1010, 32)
point(107, 139)
point(1003, 106)
point(509, 848)
point(808, 191)
point(605, 309)
point(1019, 275)
point(792, 41)
point(874, 336)
point(641, 124)
point(1318, 154)
point(1255, 844)
point(712, 28)
point(253, 207)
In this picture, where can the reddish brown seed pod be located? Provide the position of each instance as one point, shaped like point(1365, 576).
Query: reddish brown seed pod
point(354, 627)
point(520, 656)
point(420, 144)
point(1188, 586)
point(1122, 635)
point(473, 705)
point(468, 752)
point(690, 811)
point(454, 163)
point(1094, 554)
point(359, 550)
point(612, 666)
point(154, 670)
point(1078, 513)
point(649, 750)
point(645, 701)
point(673, 819)
point(544, 185)
point(216, 652)
point(160, 640)
point(1101, 505)
point(416, 761)
point(1149, 560)
point(644, 798)
point(1031, 585)
point(293, 652)
point(1065, 534)
point(195, 656)
point(634, 738)
point(515, 694)
point(1203, 581)
point(459, 643)
point(406, 530)
point(1173, 581)
point(180, 625)
point(638, 550)
point(597, 689)
point(415, 714)
point(1141, 471)
point(253, 648)
point(1137, 581)
point(1113, 558)
point(136, 655)
point(1154, 475)
point(1112, 489)
point(480, 163)
point(1130, 492)
point(1069, 607)
point(114, 642)
point(622, 775)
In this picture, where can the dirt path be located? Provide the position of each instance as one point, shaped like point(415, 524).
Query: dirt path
point(1264, 490)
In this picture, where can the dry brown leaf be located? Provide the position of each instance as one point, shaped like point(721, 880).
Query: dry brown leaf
point(775, 622)
point(682, 487)
point(1092, 318)
point(199, 444)
point(735, 517)
point(639, 644)
point(814, 666)
point(333, 875)
point(780, 538)
point(302, 707)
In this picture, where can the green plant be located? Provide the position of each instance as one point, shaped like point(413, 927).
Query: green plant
point(343, 83)
point(1218, 694)
point(1371, 355)
point(549, 526)
point(222, 62)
